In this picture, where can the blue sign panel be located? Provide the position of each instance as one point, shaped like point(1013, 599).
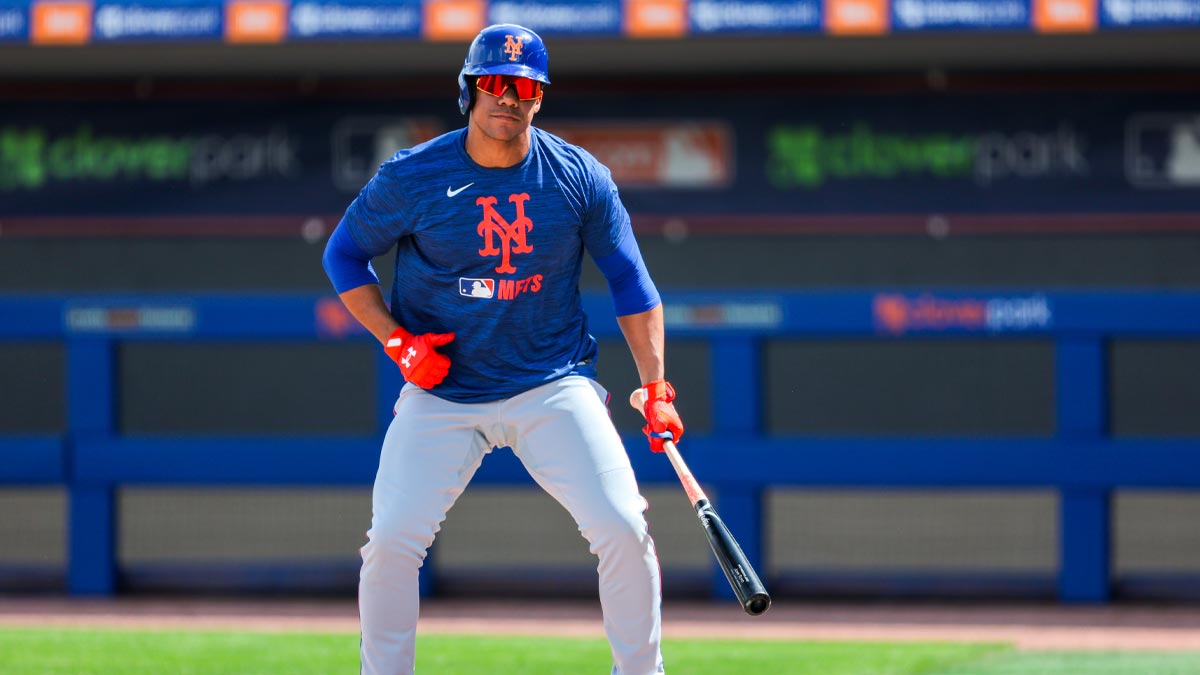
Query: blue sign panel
point(917, 15)
point(755, 16)
point(597, 17)
point(1137, 13)
point(898, 314)
point(355, 18)
point(178, 20)
point(14, 22)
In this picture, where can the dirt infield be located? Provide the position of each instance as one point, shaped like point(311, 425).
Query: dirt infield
point(1032, 627)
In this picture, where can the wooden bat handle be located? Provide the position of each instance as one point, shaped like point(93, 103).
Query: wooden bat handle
point(691, 486)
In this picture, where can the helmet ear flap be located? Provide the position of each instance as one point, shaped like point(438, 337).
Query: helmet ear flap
point(466, 92)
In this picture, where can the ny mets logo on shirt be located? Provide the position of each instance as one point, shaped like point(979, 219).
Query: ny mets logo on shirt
point(513, 46)
point(512, 235)
point(512, 239)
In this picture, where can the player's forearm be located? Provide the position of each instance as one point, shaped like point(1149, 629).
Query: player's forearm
point(366, 304)
point(644, 334)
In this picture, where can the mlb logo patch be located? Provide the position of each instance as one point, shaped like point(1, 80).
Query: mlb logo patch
point(476, 288)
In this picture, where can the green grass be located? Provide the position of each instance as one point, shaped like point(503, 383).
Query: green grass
point(1082, 663)
point(128, 652)
point(500, 655)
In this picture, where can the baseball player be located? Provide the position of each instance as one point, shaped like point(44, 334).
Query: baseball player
point(490, 224)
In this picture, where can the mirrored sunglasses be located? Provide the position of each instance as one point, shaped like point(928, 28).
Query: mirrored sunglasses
point(496, 85)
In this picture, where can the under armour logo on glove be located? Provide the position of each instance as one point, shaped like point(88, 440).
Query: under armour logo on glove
point(417, 356)
point(407, 360)
point(662, 421)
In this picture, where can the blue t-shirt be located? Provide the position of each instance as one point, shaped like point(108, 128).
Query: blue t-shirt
point(494, 255)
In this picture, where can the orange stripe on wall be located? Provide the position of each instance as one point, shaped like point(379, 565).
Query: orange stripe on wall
point(256, 21)
point(60, 23)
point(856, 17)
point(452, 20)
point(656, 18)
point(1065, 16)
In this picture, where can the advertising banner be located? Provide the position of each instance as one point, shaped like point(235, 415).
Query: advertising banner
point(960, 15)
point(754, 16)
point(1163, 151)
point(1139, 13)
point(657, 154)
point(987, 154)
point(14, 21)
point(80, 22)
point(558, 17)
point(175, 159)
point(781, 157)
point(954, 313)
point(355, 18)
point(129, 20)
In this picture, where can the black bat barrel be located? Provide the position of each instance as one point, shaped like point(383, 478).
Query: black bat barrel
point(742, 578)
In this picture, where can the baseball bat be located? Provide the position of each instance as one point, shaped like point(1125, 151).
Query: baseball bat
point(739, 572)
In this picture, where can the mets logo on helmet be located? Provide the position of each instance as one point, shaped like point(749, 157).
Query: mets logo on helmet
point(513, 46)
point(512, 235)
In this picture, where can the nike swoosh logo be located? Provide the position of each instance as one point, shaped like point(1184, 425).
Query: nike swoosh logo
point(451, 193)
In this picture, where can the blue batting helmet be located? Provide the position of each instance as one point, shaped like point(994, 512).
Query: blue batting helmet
point(503, 49)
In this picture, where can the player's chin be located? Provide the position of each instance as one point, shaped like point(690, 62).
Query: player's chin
point(504, 126)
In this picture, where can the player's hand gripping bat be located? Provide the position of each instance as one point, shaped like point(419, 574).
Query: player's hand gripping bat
point(742, 577)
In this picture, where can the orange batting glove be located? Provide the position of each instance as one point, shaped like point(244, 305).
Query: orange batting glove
point(417, 358)
point(662, 421)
